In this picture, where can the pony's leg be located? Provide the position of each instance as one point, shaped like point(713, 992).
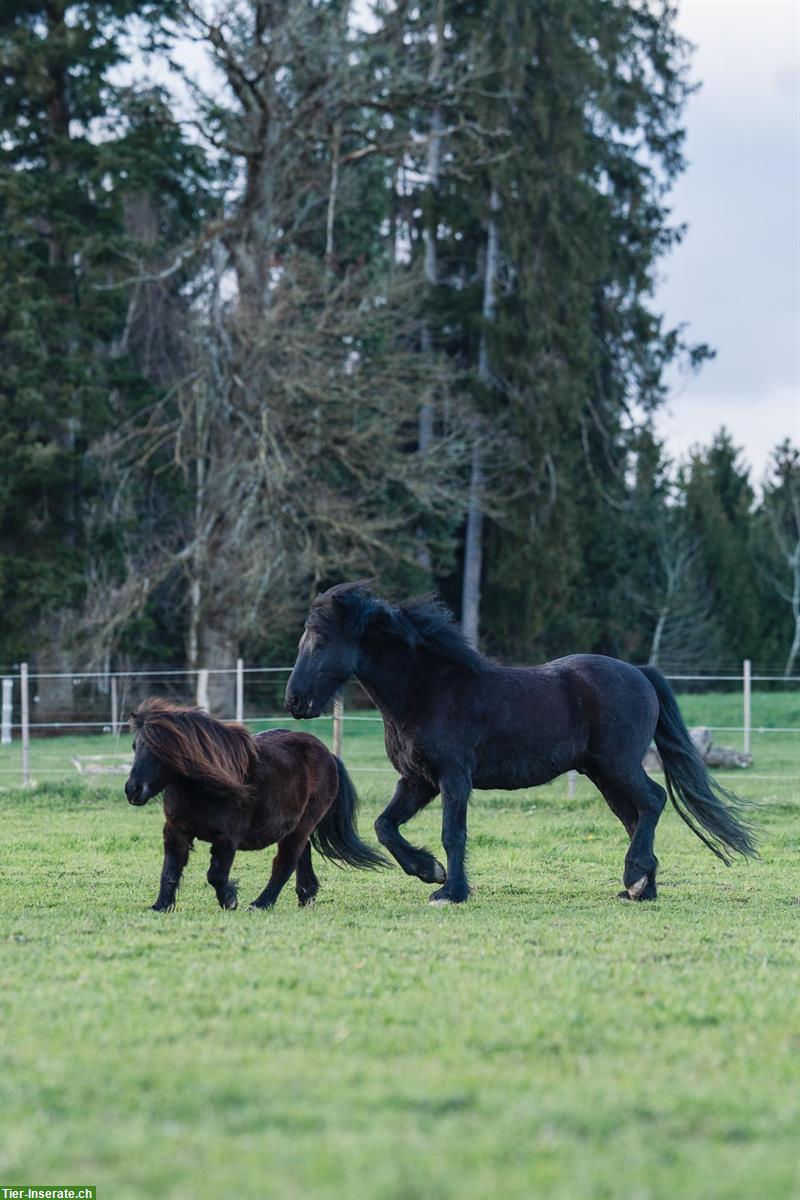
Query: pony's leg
point(177, 846)
point(409, 797)
point(306, 882)
point(284, 863)
point(222, 856)
point(456, 788)
point(648, 799)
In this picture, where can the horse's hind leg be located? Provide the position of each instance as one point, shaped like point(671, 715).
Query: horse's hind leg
point(638, 801)
point(307, 884)
point(409, 797)
point(222, 856)
point(284, 863)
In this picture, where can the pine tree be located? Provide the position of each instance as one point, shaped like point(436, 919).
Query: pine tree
point(719, 505)
point(586, 99)
point(778, 552)
point(65, 171)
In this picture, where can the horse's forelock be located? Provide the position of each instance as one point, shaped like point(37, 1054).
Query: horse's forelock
point(348, 605)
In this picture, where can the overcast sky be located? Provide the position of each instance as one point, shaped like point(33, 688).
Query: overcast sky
point(736, 278)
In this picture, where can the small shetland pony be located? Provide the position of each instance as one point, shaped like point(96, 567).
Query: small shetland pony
point(456, 721)
point(240, 792)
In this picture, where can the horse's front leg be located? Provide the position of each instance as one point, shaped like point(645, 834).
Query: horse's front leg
point(409, 797)
point(177, 845)
point(223, 853)
point(284, 863)
point(455, 787)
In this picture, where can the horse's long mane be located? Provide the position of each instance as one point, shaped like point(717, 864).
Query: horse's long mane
point(422, 623)
point(189, 741)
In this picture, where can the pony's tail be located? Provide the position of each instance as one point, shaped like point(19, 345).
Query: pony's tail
point(336, 836)
point(696, 796)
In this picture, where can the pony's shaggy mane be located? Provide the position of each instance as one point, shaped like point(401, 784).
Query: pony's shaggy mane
point(217, 757)
point(423, 623)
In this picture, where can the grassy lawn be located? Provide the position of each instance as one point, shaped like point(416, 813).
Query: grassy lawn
point(544, 1040)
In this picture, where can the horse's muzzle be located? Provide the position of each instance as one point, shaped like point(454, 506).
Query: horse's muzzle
point(137, 793)
point(302, 709)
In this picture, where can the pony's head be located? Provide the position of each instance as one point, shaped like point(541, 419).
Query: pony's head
point(173, 745)
point(342, 625)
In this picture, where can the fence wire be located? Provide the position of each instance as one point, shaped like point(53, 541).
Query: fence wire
point(71, 699)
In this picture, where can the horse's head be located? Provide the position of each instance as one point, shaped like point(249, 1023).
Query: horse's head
point(148, 774)
point(328, 652)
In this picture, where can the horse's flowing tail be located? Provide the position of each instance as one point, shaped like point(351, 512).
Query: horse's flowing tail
point(336, 836)
point(696, 796)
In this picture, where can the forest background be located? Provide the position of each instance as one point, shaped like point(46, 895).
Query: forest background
point(364, 298)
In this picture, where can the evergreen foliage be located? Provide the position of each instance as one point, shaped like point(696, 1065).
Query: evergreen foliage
point(244, 353)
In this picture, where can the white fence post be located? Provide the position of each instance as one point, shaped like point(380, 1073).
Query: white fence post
point(746, 679)
point(114, 706)
point(26, 723)
point(572, 777)
point(338, 713)
point(239, 689)
point(202, 688)
point(8, 688)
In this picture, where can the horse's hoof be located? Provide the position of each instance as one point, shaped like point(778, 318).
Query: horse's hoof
point(635, 889)
point(309, 903)
point(439, 873)
point(454, 897)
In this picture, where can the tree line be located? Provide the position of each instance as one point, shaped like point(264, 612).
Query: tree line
point(364, 297)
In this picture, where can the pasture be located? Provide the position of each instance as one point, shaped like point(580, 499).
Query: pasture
point(543, 1040)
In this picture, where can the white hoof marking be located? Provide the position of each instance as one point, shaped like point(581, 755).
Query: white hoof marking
point(636, 889)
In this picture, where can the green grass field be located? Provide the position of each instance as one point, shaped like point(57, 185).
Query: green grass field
point(544, 1040)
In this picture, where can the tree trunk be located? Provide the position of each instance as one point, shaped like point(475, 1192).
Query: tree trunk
point(333, 191)
point(219, 650)
point(473, 552)
point(658, 633)
point(794, 649)
point(712, 756)
point(53, 699)
point(425, 434)
point(473, 545)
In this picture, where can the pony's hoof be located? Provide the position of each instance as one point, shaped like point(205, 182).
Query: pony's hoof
point(309, 903)
point(163, 907)
point(635, 889)
point(439, 873)
point(440, 900)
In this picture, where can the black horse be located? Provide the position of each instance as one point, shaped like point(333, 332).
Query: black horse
point(455, 721)
point(242, 792)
